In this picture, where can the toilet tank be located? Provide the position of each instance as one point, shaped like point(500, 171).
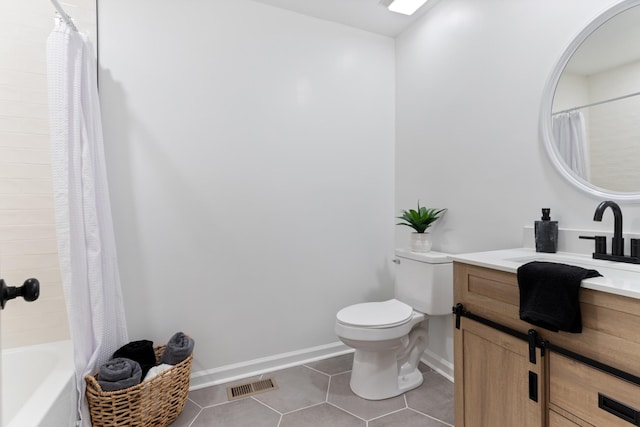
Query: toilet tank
point(425, 281)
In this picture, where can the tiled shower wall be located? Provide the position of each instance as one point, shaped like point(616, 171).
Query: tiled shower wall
point(613, 128)
point(27, 229)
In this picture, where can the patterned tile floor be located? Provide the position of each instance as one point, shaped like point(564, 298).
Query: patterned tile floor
point(318, 395)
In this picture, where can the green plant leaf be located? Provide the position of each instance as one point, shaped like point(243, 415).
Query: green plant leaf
point(420, 219)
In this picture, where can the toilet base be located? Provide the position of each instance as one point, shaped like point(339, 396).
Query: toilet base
point(375, 375)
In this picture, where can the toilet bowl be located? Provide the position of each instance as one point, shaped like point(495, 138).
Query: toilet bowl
point(389, 337)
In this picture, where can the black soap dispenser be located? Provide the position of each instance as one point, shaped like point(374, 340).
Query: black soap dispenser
point(546, 233)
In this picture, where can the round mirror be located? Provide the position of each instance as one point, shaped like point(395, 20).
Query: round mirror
point(590, 113)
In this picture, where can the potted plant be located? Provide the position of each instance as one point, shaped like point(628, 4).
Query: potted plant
point(420, 220)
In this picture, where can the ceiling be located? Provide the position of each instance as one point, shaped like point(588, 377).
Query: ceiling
point(369, 15)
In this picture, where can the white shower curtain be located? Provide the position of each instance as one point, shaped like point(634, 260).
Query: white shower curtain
point(86, 243)
point(570, 136)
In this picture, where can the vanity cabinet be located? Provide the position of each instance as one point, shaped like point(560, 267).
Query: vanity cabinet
point(495, 379)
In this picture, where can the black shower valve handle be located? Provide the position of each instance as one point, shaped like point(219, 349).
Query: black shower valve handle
point(30, 291)
point(601, 243)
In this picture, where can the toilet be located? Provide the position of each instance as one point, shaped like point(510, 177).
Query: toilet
point(389, 337)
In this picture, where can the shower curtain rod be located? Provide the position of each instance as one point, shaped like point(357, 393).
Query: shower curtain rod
point(597, 103)
point(64, 15)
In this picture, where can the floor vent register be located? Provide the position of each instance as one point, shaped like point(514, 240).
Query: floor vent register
point(249, 389)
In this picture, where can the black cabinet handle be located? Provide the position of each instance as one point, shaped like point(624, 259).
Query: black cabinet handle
point(618, 409)
point(533, 386)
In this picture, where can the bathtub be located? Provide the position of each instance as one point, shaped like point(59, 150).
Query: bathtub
point(38, 387)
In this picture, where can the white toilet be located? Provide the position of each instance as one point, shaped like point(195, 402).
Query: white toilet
point(389, 337)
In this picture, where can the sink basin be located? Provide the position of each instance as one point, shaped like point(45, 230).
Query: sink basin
point(606, 268)
point(617, 278)
point(558, 258)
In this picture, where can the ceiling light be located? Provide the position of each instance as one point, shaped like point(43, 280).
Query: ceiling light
point(406, 7)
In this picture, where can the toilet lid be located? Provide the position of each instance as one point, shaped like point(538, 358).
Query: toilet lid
point(384, 314)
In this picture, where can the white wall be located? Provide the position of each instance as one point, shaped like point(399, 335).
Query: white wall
point(201, 105)
point(250, 153)
point(470, 76)
point(572, 90)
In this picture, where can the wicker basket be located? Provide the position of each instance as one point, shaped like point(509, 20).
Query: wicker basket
point(156, 402)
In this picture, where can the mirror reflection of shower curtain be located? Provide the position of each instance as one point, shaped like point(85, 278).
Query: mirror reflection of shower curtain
point(570, 136)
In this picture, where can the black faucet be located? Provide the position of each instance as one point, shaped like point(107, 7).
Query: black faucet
point(617, 243)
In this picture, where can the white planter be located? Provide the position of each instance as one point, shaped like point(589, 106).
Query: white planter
point(420, 242)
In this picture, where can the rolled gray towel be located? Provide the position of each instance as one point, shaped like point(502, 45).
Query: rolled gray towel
point(178, 348)
point(119, 373)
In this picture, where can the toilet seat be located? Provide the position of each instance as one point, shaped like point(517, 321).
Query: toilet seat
point(376, 315)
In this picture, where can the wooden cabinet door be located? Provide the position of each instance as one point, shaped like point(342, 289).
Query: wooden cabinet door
point(494, 379)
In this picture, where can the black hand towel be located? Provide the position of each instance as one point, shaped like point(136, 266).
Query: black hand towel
point(140, 351)
point(549, 295)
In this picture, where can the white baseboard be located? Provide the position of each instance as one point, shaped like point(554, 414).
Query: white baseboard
point(260, 366)
point(252, 368)
point(438, 364)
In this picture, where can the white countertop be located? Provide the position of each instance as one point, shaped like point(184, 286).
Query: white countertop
point(617, 277)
